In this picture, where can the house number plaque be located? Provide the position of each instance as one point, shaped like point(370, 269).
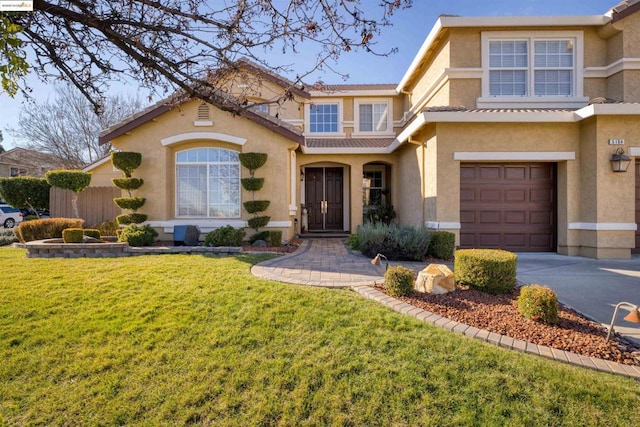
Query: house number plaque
point(616, 141)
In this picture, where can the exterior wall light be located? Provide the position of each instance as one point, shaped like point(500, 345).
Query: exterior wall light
point(376, 261)
point(619, 161)
point(633, 316)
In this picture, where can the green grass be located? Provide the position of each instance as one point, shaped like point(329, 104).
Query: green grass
point(175, 340)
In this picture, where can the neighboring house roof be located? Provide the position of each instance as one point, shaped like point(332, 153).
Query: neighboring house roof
point(31, 159)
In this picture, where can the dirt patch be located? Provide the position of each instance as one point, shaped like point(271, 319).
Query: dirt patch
point(499, 314)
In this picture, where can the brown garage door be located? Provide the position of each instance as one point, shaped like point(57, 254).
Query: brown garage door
point(509, 206)
point(637, 249)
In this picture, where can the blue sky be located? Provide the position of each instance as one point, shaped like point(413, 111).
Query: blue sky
point(410, 28)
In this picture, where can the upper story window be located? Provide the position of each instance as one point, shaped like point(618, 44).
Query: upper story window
point(208, 183)
point(323, 118)
point(541, 68)
point(373, 117)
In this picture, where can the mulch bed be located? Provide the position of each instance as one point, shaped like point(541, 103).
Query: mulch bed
point(499, 314)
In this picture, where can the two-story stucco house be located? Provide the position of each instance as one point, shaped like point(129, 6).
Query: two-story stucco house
point(502, 131)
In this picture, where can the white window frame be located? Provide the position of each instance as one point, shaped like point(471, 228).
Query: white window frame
point(208, 202)
point(576, 100)
point(356, 112)
point(307, 120)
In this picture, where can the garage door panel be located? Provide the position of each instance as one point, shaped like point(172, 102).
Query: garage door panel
point(512, 207)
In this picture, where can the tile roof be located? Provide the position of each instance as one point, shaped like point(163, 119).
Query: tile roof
point(348, 142)
point(329, 88)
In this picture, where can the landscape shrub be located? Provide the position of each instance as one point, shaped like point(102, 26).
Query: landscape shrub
point(7, 236)
point(442, 245)
point(263, 235)
point(275, 238)
point(252, 183)
point(132, 203)
point(25, 192)
point(398, 281)
point(126, 161)
point(72, 235)
point(252, 161)
point(258, 221)
point(538, 303)
point(383, 213)
point(225, 236)
point(74, 180)
point(92, 232)
point(131, 218)
point(489, 270)
point(394, 241)
point(138, 235)
point(127, 184)
point(353, 242)
point(48, 228)
point(107, 228)
point(253, 206)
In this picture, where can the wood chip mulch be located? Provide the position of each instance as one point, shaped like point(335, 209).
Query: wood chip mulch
point(499, 314)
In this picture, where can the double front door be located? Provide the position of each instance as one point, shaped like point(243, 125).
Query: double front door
point(324, 198)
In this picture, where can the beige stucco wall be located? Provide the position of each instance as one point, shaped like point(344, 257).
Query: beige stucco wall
point(102, 174)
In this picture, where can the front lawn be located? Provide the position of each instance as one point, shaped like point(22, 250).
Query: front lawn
point(187, 339)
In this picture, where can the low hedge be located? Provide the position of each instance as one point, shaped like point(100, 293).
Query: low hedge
point(138, 235)
point(48, 228)
point(275, 238)
point(263, 235)
point(92, 232)
point(442, 245)
point(225, 236)
point(73, 235)
point(489, 270)
point(393, 241)
point(538, 303)
point(398, 281)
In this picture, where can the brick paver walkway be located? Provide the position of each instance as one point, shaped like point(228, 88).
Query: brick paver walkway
point(329, 263)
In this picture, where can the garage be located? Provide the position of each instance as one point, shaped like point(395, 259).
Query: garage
point(508, 206)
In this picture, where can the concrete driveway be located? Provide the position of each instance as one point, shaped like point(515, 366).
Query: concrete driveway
point(592, 287)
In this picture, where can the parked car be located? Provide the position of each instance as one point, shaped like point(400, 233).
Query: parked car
point(10, 216)
point(42, 213)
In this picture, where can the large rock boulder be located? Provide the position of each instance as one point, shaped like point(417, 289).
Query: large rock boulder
point(435, 279)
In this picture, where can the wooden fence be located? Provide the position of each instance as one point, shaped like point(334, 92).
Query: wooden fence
point(95, 204)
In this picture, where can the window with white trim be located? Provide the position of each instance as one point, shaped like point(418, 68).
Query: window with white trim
point(538, 66)
point(208, 183)
point(373, 116)
point(324, 118)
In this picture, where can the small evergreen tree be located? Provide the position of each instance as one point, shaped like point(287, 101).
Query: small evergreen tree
point(74, 180)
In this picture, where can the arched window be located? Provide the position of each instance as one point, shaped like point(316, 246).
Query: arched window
point(208, 183)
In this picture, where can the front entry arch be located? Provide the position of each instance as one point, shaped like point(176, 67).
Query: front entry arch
point(324, 198)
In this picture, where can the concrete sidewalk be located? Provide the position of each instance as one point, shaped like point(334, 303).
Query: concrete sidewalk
point(591, 287)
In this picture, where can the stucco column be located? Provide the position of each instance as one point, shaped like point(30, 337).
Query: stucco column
point(355, 180)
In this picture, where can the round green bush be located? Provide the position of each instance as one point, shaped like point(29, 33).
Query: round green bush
point(538, 303)
point(138, 235)
point(225, 236)
point(92, 232)
point(74, 180)
point(252, 184)
point(126, 161)
point(398, 281)
point(258, 221)
point(253, 206)
point(252, 161)
point(72, 235)
point(132, 218)
point(127, 184)
point(275, 238)
point(488, 270)
point(263, 235)
point(132, 203)
point(442, 244)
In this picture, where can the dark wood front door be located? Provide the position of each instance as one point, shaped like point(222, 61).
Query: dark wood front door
point(324, 198)
point(510, 206)
point(637, 248)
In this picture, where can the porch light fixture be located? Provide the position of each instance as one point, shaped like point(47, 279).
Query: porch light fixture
point(301, 175)
point(376, 261)
point(619, 161)
point(633, 316)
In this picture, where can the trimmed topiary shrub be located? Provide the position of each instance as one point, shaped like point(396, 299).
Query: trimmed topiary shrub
point(25, 192)
point(254, 206)
point(398, 281)
point(130, 203)
point(253, 161)
point(126, 161)
point(538, 303)
point(127, 184)
point(107, 228)
point(252, 183)
point(138, 235)
point(442, 245)
point(258, 221)
point(263, 235)
point(275, 238)
point(72, 235)
point(394, 241)
point(489, 270)
point(92, 232)
point(49, 228)
point(74, 180)
point(225, 236)
point(132, 218)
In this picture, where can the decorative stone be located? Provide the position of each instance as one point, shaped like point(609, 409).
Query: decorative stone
point(435, 279)
point(259, 244)
point(89, 239)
